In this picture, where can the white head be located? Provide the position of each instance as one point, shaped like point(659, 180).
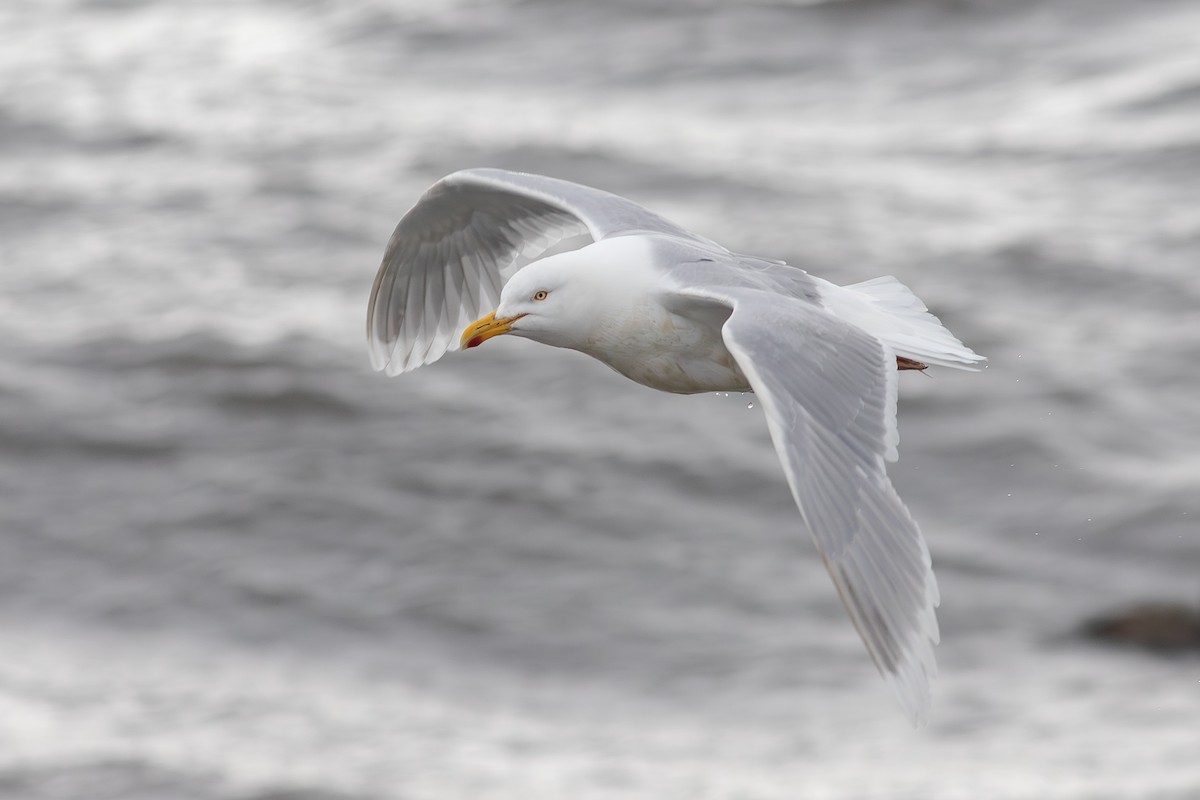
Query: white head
point(558, 300)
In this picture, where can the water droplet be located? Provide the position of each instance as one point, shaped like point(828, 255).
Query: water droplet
point(750, 405)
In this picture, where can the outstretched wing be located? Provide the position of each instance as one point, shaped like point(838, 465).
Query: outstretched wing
point(828, 390)
point(468, 234)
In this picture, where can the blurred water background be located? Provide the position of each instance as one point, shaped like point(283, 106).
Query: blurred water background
point(237, 565)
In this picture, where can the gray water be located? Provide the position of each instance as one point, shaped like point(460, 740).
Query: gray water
point(237, 565)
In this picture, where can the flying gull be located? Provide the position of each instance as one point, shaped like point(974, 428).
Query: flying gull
point(487, 252)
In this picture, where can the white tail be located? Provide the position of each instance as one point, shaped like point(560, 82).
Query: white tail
point(889, 310)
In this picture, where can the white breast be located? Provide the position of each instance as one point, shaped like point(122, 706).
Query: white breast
point(665, 351)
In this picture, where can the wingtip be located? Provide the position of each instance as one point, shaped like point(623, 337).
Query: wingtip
point(377, 355)
point(912, 688)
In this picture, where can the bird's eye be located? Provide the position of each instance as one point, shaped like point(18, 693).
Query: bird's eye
point(540, 294)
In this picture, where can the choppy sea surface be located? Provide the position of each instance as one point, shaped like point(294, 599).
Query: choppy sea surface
point(237, 565)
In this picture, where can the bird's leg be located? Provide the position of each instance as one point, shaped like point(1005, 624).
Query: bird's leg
point(909, 363)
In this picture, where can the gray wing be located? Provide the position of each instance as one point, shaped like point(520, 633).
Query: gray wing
point(828, 390)
point(468, 234)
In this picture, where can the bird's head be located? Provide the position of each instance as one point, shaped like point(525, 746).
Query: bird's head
point(548, 301)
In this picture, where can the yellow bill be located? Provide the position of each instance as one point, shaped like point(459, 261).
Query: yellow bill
point(483, 329)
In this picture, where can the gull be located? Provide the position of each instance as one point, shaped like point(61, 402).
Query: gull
point(488, 252)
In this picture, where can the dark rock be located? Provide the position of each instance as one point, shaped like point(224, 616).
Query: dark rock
point(1161, 627)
